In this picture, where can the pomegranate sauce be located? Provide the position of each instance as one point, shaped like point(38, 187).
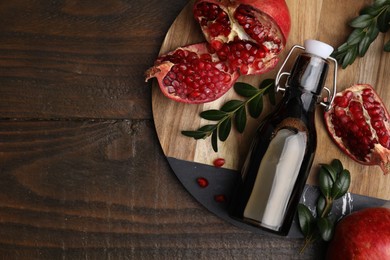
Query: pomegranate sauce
point(279, 160)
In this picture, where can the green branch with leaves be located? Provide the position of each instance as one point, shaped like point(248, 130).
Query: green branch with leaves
point(372, 20)
point(334, 182)
point(234, 112)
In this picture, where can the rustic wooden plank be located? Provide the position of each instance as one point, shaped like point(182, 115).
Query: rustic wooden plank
point(79, 59)
point(325, 20)
point(86, 189)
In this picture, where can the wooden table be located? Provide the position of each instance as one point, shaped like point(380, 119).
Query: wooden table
point(82, 173)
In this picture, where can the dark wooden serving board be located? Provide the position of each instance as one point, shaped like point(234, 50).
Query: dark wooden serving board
point(322, 20)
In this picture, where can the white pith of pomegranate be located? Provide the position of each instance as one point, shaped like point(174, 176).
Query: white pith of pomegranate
point(250, 34)
point(192, 74)
point(359, 124)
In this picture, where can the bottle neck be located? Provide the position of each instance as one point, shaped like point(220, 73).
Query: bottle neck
point(309, 74)
point(307, 80)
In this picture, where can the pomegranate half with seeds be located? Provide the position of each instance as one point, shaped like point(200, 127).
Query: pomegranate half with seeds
point(192, 74)
point(244, 38)
point(359, 124)
point(249, 34)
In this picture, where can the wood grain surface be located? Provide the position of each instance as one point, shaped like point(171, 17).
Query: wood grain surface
point(82, 173)
point(324, 20)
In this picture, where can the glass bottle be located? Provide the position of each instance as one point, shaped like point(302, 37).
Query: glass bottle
point(279, 160)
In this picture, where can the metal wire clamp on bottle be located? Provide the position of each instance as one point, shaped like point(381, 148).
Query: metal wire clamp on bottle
point(328, 101)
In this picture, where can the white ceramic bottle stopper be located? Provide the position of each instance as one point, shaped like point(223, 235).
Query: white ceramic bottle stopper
point(318, 48)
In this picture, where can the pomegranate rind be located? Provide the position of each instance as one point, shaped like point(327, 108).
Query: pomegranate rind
point(164, 64)
point(379, 154)
point(361, 235)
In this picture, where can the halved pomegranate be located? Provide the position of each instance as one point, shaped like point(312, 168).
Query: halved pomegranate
point(192, 74)
point(359, 124)
point(248, 33)
point(245, 37)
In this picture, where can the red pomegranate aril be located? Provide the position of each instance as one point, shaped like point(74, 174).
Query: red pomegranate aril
point(377, 124)
point(359, 124)
point(220, 198)
point(385, 141)
point(219, 162)
point(181, 67)
point(202, 182)
point(375, 111)
point(167, 81)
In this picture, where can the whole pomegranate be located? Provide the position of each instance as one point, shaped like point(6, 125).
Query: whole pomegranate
point(244, 37)
point(247, 33)
point(359, 124)
point(364, 234)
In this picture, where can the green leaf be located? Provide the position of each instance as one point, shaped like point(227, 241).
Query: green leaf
point(245, 89)
point(214, 140)
point(224, 129)
point(350, 56)
point(271, 96)
point(195, 134)
point(356, 36)
point(321, 203)
point(383, 21)
point(213, 114)
point(207, 128)
point(363, 46)
point(387, 46)
point(255, 106)
point(306, 220)
point(325, 226)
point(361, 21)
point(372, 32)
point(343, 47)
point(326, 182)
point(341, 185)
point(267, 84)
point(371, 10)
point(232, 105)
point(380, 3)
point(330, 170)
point(338, 55)
point(240, 119)
point(337, 165)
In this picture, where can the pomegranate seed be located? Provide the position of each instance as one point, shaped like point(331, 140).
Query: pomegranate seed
point(167, 81)
point(341, 101)
point(180, 53)
point(195, 94)
point(339, 112)
point(220, 198)
point(377, 124)
point(361, 122)
point(219, 162)
point(354, 128)
point(171, 75)
point(367, 91)
point(385, 141)
point(202, 182)
point(171, 90)
point(375, 111)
